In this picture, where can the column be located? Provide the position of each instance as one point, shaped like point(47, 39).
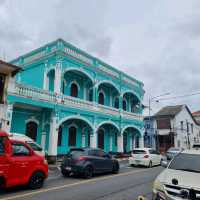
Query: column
point(84, 140)
point(120, 147)
point(57, 83)
point(141, 142)
point(53, 138)
point(93, 139)
point(120, 102)
point(111, 141)
point(94, 93)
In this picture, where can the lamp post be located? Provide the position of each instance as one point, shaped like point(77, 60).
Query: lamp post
point(150, 99)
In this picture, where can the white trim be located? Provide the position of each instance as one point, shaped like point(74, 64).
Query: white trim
point(74, 82)
point(131, 126)
point(107, 122)
point(79, 70)
point(109, 82)
point(32, 120)
point(72, 125)
point(75, 117)
point(132, 92)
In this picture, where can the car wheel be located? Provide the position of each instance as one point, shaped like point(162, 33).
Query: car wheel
point(36, 181)
point(115, 169)
point(132, 165)
point(150, 164)
point(65, 173)
point(88, 172)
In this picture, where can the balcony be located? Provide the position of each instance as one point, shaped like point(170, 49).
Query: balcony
point(68, 101)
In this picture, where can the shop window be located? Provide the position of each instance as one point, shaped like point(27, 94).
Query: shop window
point(101, 139)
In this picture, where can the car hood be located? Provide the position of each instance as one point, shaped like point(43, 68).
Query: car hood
point(185, 179)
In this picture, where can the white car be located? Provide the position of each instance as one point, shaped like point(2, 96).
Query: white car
point(181, 178)
point(145, 156)
point(36, 147)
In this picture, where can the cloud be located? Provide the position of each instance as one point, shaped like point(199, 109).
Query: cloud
point(155, 41)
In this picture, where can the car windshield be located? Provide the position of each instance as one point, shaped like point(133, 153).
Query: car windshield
point(183, 162)
point(139, 152)
point(2, 145)
point(35, 146)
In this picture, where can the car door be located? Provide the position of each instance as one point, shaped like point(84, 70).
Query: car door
point(20, 164)
point(107, 163)
point(152, 156)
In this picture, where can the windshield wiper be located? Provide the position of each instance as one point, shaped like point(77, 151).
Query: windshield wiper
point(189, 170)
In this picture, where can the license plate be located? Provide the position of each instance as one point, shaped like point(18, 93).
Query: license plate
point(68, 168)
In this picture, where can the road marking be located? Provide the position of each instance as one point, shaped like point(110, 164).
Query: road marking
point(70, 185)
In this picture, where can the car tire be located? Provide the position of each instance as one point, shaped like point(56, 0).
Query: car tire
point(36, 181)
point(65, 173)
point(115, 169)
point(132, 165)
point(150, 164)
point(88, 172)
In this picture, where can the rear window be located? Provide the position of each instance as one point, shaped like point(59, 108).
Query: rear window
point(139, 152)
point(2, 147)
point(34, 146)
point(77, 152)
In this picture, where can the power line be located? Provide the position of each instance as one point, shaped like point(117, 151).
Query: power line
point(181, 96)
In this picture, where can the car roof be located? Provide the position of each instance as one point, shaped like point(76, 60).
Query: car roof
point(191, 151)
point(3, 134)
point(20, 137)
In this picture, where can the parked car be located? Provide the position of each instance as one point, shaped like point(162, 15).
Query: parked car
point(180, 180)
point(145, 156)
point(87, 162)
point(171, 152)
point(36, 147)
point(19, 164)
point(196, 146)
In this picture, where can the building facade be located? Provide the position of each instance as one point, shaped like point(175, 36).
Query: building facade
point(196, 115)
point(7, 80)
point(174, 126)
point(67, 98)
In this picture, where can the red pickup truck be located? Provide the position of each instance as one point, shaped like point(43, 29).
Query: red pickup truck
point(20, 165)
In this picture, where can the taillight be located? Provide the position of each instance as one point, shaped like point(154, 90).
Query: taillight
point(146, 156)
point(82, 158)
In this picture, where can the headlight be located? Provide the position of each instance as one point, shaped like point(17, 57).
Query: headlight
point(159, 190)
point(157, 185)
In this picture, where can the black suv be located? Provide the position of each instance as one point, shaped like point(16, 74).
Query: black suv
point(87, 162)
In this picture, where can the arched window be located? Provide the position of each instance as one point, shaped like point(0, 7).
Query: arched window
point(74, 90)
point(31, 130)
point(124, 105)
point(51, 79)
point(60, 136)
point(101, 98)
point(101, 139)
point(116, 103)
point(72, 136)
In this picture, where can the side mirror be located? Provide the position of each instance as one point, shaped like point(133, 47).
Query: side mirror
point(164, 163)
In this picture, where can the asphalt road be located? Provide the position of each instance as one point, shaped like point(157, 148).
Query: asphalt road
point(126, 185)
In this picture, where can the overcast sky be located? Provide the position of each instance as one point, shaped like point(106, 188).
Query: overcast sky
point(155, 41)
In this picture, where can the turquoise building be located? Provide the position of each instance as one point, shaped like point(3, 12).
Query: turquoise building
point(67, 98)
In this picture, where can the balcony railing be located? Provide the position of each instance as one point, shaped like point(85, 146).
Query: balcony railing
point(47, 96)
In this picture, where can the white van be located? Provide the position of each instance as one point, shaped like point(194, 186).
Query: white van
point(36, 147)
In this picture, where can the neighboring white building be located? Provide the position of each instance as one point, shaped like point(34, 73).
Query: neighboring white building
point(7, 80)
point(196, 115)
point(176, 127)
